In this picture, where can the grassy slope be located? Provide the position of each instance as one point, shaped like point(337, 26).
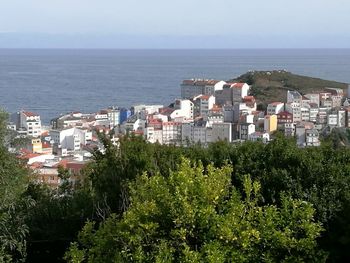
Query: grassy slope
point(269, 86)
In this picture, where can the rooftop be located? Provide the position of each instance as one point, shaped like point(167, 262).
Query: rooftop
point(30, 114)
point(200, 82)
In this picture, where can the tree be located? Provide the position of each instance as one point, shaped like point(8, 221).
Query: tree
point(197, 216)
point(13, 206)
point(57, 217)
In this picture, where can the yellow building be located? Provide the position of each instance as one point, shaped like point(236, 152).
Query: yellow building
point(270, 123)
point(36, 146)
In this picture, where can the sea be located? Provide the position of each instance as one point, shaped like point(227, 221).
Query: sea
point(51, 82)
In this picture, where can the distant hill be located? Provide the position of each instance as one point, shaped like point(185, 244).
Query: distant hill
point(269, 86)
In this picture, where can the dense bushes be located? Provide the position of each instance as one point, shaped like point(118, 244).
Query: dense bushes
point(47, 221)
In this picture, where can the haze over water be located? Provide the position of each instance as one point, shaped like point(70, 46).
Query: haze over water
point(53, 81)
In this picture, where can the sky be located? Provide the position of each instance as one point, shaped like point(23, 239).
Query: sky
point(175, 24)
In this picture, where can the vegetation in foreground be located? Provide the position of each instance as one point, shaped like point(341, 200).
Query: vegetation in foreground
point(142, 201)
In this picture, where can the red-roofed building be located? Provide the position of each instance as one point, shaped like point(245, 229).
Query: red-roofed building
point(194, 87)
point(31, 158)
point(216, 108)
point(172, 133)
point(284, 117)
point(203, 104)
point(30, 122)
point(231, 93)
point(275, 108)
point(30, 114)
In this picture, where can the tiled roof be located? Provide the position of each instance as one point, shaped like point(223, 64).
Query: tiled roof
point(200, 82)
point(275, 103)
point(238, 85)
point(249, 99)
point(204, 97)
point(30, 114)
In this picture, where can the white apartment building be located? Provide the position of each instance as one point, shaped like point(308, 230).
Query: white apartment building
point(231, 93)
point(214, 118)
point(295, 109)
point(294, 96)
point(153, 135)
point(312, 137)
point(322, 116)
point(300, 132)
point(172, 133)
point(222, 131)
point(246, 129)
point(70, 139)
point(194, 87)
point(341, 118)
point(204, 103)
point(289, 129)
point(194, 132)
point(259, 136)
point(313, 113)
point(275, 108)
point(305, 113)
point(332, 119)
point(30, 122)
point(184, 109)
point(142, 110)
point(314, 98)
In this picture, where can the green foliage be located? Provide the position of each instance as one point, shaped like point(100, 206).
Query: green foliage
point(112, 169)
point(317, 175)
point(13, 182)
point(197, 216)
point(56, 218)
point(268, 86)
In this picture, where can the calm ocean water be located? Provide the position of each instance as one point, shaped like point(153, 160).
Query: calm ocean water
point(51, 82)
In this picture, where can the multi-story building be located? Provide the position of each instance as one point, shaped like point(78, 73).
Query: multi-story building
point(154, 135)
point(312, 137)
point(314, 98)
point(203, 104)
point(336, 96)
point(246, 129)
point(313, 112)
point(133, 124)
point(305, 112)
point(283, 118)
point(327, 103)
point(30, 122)
point(124, 114)
point(332, 119)
point(270, 123)
point(294, 96)
point(194, 87)
point(322, 116)
point(341, 117)
point(289, 129)
point(295, 109)
point(231, 93)
point(347, 116)
point(183, 109)
point(215, 117)
point(222, 131)
point(194, 132)
point(172, 133)
point(259, 136)
point(300, 132)
point(70, 140)
point(275, 108)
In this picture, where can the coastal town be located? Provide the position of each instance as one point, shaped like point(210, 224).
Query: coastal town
point(208, 111)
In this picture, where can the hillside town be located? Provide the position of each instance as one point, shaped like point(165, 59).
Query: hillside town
point(208, 111)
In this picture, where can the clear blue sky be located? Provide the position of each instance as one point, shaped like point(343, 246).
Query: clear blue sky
point(176, 23)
